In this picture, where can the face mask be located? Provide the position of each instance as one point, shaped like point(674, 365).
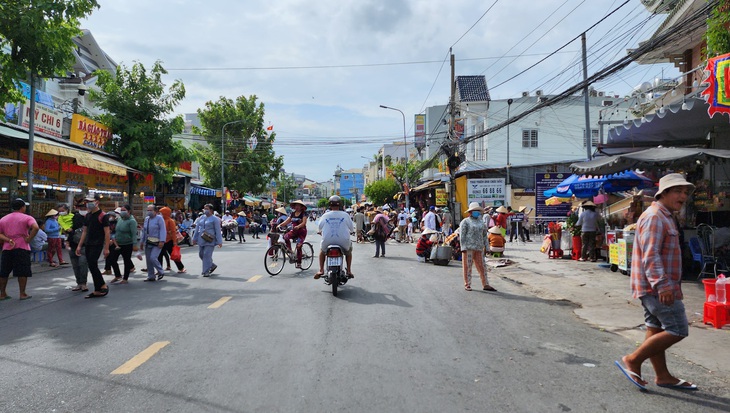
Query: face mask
point(124, 214)
point(476, 214)
point(90, 205)
point(208, 212)
point(63, 213)
point(150, 213)
point(83, 213)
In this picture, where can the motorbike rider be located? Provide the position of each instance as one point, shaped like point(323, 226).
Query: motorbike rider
point(335, 227)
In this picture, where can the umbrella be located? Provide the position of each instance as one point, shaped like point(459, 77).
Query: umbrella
point(588, 187)
point(626, 181)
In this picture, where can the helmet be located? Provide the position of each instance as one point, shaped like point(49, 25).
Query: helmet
point(335, 200)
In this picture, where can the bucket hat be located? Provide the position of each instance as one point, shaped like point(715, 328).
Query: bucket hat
point(670, 181)
point(474, 206)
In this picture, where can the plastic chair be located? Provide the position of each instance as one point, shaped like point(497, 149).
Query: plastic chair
point(706, 235)
point(696, 248)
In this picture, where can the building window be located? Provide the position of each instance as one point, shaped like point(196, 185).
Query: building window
point(529, 138)
point(594, 138)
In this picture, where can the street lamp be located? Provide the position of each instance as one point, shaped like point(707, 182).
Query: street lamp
point(509, 104)
point(223, 165)
point(405, 147)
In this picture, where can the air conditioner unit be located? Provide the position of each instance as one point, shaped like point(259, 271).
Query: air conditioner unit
point(525, 94)
point(538, 92)
point(601, 94)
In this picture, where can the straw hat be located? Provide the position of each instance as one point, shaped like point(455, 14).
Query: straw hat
point(241, 214)
point(379, 209)
point(521, 209)
point(281, 210)
point(428, 231)
point(52, 213)
point(588, 204)
point(670, 181)
point(474, 206)
point(502, 210)
point(298, 201)
point(495, 230)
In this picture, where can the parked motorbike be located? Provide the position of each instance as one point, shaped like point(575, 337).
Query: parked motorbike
point(185, 232)
point(335, 273)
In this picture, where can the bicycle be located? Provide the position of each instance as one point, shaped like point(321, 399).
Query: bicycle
point(277, 255)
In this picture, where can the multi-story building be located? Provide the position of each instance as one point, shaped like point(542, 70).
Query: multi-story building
point(352, 184)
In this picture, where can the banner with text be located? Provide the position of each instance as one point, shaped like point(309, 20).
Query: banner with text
point(487, 192)
point(47, 120)
point(420, 137)
point(543, 182)
point(88, 132)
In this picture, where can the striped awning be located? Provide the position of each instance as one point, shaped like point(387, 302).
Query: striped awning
point(201, 190)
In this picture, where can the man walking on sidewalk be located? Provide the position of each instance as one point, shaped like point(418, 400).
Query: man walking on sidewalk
point(656, 274)
point(17, 229)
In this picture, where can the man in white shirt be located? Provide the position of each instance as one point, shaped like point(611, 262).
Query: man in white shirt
point(229, 235)
point(429, 220)
point(335, 227)
point(403, 218)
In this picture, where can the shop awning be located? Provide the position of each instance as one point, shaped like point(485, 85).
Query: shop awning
point(10, 161)
point(201, 190)
point(653, 157)
point(427, 185)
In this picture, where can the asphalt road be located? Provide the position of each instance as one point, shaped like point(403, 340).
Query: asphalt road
point(402, 336)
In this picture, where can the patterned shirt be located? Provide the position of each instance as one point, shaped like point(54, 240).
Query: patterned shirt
point(473, 234)
point(656, 262)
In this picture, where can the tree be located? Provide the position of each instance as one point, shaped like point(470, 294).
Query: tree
point(325, 202)
point(381, 192)
point(137, 111)
point(413, 171)
point(250, 161)
point(285, 187)
point(39, 38)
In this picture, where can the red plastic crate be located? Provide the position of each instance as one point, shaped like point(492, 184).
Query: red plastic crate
point(716, 314)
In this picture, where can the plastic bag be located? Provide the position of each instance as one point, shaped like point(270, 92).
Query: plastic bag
point(175, 255)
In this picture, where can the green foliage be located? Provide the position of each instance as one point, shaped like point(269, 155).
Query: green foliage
point(381, 192)
point(39, 37)
point(571, 222)
point(325, 202)
point(399, 171)
point(137, 111)
point(246, 169)
point(285, 187)
point(718, 30)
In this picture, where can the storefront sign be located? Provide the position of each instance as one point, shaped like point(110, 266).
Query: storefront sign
point(487, 192)
point(441, 197)
point(73, 175)
point(47, 120)
point(717, 92)
point(543, 182)
point(8, 169)
point(45, 167)
point(185, 167)
point(420, 138)
point(87, 132)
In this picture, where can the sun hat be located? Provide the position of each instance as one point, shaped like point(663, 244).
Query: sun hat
point(281, 210)
point(428, 231)
point(241, 214)
point(52, 213)
point(495, 230)
point(474, 206)
point(298, 201)
point(588, 204)
point(670, 181)
point(521, 209)
point(502, 210)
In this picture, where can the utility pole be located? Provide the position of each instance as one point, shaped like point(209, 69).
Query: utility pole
point(31, 136)
point(452, 141)
point(586, 99)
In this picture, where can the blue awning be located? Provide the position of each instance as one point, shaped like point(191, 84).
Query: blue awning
point(201, 190)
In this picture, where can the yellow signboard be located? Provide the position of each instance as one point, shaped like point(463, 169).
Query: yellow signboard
point(88, 132)
point(441, 197)
point(8, 169)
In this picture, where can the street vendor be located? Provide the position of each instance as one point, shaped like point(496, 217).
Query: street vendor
point(496, 240)
point(588, 222)
point(425, 244)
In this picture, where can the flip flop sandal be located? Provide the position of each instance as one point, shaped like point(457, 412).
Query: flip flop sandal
point(76, 289)
point(467, 288)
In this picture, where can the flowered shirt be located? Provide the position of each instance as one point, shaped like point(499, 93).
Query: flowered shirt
point(473, 234)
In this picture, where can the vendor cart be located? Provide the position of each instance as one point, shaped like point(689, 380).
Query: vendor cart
point(620, 247)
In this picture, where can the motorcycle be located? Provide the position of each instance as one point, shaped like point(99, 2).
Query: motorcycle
point(335, 273)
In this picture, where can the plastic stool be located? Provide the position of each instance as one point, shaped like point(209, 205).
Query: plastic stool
point(38, 256)
point(716, 314)
point(556, 253)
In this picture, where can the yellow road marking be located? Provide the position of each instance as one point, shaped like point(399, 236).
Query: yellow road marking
point(140, 358)
point(220, 302)
point(253, 279)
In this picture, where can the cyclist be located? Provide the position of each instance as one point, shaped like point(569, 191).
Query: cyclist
point(335, 227)
point(298, 220)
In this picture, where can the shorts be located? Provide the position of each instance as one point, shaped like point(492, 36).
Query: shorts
point(323, 248)
point(16, 261)
point(670, 318)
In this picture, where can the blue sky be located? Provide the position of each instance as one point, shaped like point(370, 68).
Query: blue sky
point(323, 68)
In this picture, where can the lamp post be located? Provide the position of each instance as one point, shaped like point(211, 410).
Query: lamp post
point(223, 165)
point(405, 148)
point(509, 104)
